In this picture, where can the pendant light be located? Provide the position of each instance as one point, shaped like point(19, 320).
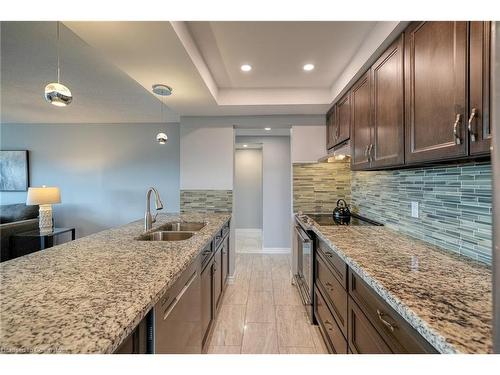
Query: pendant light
point(162, 90)
point(56, 93)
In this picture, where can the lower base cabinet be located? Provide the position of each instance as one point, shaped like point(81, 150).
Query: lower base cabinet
point(353, 318)
point(137, 341)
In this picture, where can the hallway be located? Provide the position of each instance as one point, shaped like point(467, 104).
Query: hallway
point(262, 313)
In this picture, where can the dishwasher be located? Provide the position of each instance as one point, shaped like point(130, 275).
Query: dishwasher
point(177, 316)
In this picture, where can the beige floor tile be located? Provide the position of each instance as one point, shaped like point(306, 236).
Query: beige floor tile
point(229, 326)
point(297, 350)
point(260, 338)
point(261, 281)
point(286, 294)
point(222, 349)
point(319, 343)
point(293, 327)
point(236, 294)
point(260, 307)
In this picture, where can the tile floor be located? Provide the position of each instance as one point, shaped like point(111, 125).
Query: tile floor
point(262, 313)
point(248, 241)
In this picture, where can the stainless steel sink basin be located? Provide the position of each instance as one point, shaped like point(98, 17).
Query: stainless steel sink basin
point(166, 236)
point(182, 226)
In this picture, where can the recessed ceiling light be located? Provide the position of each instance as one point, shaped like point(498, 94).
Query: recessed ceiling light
point(245, 145)
point(246, 67)
point(308, 67)
point(267, 129)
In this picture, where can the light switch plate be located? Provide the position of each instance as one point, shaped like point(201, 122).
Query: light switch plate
point(414, 209)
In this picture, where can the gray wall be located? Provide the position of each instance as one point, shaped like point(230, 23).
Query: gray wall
point(248, 189)
point(276, 190)
point(103, 170)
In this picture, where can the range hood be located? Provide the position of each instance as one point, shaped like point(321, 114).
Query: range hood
point(339, 152)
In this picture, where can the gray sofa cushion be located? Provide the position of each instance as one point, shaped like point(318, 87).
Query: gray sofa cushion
point(17, 212)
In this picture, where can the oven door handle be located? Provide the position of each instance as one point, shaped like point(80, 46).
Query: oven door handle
point(303, 236)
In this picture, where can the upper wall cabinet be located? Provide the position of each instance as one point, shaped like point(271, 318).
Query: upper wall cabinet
point(361, 123)
point(478, 124)
point(387, 77)
point(436, 91)
point(338, 122)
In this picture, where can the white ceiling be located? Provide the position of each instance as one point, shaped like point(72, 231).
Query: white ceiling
point(110, 67)
point(277, 51)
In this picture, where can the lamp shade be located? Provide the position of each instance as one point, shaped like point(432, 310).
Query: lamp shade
point(43, 195)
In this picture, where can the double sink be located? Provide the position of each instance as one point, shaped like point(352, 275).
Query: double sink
point(173, 231)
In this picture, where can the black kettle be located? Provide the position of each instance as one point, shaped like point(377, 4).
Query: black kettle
point(341, 212)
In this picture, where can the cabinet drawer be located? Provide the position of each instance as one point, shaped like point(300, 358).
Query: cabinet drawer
point(329, 328)
point(335, 295)
point(363, 337)
point(206, 254)
point(338, 266)
point(397, 333)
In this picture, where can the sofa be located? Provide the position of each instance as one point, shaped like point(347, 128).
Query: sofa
point(17, 218)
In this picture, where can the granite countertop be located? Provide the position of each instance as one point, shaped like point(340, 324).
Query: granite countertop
point(447, 298)
point(87, 296)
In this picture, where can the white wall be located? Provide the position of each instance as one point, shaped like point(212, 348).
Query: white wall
point(308, 143)
point(248, 189)
point(206, 156)
point(103, 170)
point(276, 191)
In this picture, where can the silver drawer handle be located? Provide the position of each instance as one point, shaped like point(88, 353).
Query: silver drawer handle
point(473, 114)
point(458, 119)
point(176, 300)
point(384, 322)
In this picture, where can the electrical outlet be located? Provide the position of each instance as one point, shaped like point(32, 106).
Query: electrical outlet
point(414, 209)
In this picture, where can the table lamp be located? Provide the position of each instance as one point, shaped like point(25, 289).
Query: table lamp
point(45, 197)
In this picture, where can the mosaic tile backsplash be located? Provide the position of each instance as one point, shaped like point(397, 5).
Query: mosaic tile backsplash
point(317, 186)
point(206, 200)
point(455, 204)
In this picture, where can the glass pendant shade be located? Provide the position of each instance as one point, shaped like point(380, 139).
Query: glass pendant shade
point(161, 138)
point(58, 94)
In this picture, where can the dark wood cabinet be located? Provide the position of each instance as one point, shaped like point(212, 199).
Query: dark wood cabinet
point(363, 338)
point(225, 262)
point(331, 127)
point(334, 293)
point(387, 87)
point(361, 123)
point(334, 339)
point(217, 278)
point(136, 342)
point(478, 124)
point(436, 91)
point(395, 331)
point(343, 118)
point(207, 310)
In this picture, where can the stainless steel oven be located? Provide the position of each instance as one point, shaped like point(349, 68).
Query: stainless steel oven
point(304, 276)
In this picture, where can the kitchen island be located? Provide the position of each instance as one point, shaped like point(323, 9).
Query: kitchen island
point(445, 297)
point(88, 295)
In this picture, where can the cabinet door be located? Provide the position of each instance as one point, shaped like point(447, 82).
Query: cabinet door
point(331, 125)
point(206, 300)
point(479, 83)
point(435, 84)
point(225, 262)
point(343, 119)
point(363, 338)
point(217, 278)
point(361, 123)
point(388, 107)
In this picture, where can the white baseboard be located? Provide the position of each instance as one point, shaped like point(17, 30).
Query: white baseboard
point(230, 279)
point(255, 231)
point(276, 250)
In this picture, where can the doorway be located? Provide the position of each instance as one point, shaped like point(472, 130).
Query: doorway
point(248, 198)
